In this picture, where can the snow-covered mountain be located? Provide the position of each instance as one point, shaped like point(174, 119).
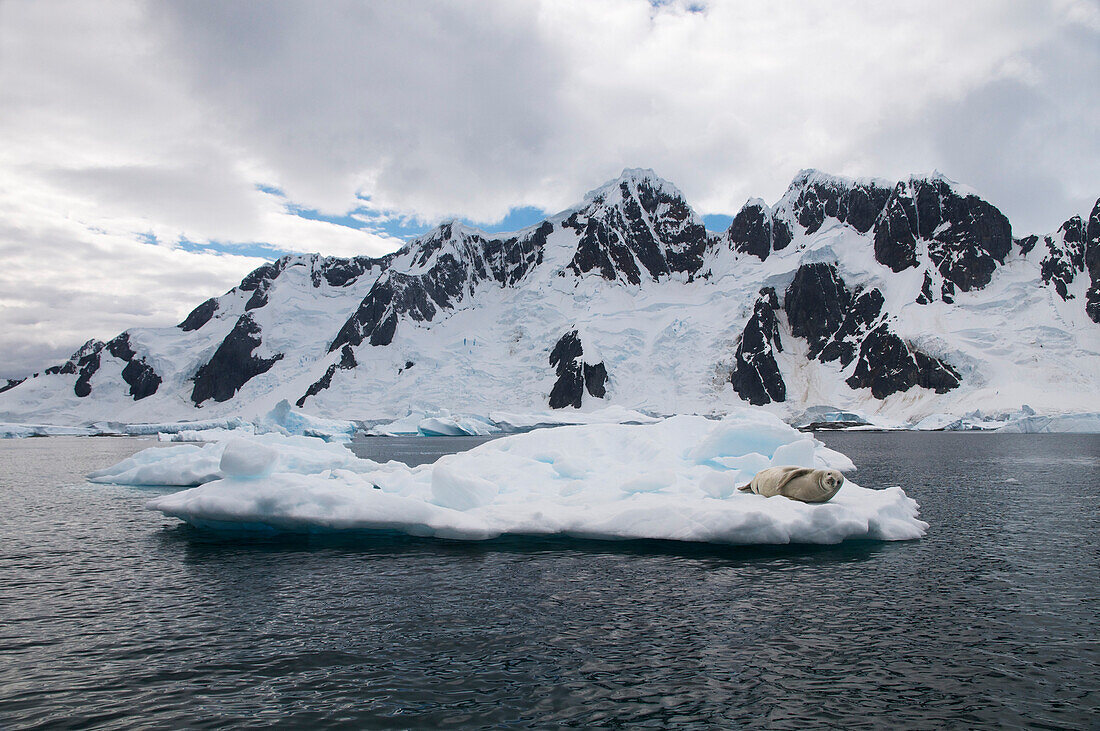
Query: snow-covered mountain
point(894, 299)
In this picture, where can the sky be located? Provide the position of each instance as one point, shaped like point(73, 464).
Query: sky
point(151, 154)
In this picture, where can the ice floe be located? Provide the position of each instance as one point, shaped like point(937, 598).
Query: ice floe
point(185, 465)
point(673, 479)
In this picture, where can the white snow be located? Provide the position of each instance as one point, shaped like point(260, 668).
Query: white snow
point(190, 464)
point(667, 345)
point(674, 479)
point(21, 431)
point(1076, 423)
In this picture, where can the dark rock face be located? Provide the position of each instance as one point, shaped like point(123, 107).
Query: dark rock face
point(87, 363)
point(966, 237)
point(453, 274)
point(926, 296)
point(811, 199)
point(832, 319)
point(816, 302)
point(650, 227)
point(265, 273)
point(888, 365)
point(11, 383)
point(347, 362)
point(199, 316)
point(1065, 256)
point(340, 272)
point(856, 204)
point(259, 296)
point(756, 377)
point(840, 324)
point(574, 375)
point(84, 362)
point(1092, 264)
point(68, 368)
point(232, 364)
point(1027, 243)
point(137, 373)
point(895, 242)
point(751, 230)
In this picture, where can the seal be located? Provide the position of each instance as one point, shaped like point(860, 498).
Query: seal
point(797, 483)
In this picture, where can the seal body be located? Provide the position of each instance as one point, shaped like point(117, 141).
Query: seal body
point(797, 483)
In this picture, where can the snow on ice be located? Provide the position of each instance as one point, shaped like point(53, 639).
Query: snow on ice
point(674, 479)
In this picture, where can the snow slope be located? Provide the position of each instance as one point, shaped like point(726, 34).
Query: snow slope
point(916, 301)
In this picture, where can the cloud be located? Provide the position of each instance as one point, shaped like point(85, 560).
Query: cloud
point(122, 120)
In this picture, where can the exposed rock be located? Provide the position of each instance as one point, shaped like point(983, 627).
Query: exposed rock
point(259, 296)
point(265, 273)
point(200, 315)
point(1065, 256)
point(926, 296)
point(817, 196)
point(756, 377)
point(816, 302)
point(232, 364)
point(966, 237)
point(574, 374)
point(832, 319)
point(87, 363)
point(457, 260)
point(637, 220)
point(137, 373)
point(839, 324)
point(343, 272)
point(751, 230)
point(347, 362)
point(1027, 243)
point(1092, 264)
point(887, 365)
point(11, 383)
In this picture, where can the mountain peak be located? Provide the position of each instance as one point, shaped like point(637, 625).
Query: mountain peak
point(629, 182)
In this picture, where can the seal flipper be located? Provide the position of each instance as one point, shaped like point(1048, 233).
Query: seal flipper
point(746, 488)
point(800, 472)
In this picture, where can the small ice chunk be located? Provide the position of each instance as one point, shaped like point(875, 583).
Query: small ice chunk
point(798, 454)
point(247, 459)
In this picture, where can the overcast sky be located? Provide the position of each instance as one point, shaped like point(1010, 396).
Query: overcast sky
point(152, 154)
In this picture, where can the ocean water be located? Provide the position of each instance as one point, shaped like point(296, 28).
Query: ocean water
point(112, 616)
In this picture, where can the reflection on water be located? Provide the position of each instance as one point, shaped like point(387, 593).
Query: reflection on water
point(112, 615)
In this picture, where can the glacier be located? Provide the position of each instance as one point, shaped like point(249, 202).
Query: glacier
point(838, 296)
point(672, 479)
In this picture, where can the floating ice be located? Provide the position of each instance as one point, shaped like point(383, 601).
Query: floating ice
point(443, 423)
point(675, 479)
point(189, 464)
point(1076, 423)
point(283, 419)
point(22, 431)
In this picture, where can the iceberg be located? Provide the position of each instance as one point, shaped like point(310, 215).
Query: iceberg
point(442, 422)
point(1087, 423)
point(674, 479)
point(186, 465)
point(23, 431)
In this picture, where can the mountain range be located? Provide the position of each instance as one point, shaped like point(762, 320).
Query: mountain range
point(895, 299)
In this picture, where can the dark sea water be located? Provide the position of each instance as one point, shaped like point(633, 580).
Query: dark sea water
point(112, 616)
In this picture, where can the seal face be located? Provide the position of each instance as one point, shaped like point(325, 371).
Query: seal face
point(797, 483)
